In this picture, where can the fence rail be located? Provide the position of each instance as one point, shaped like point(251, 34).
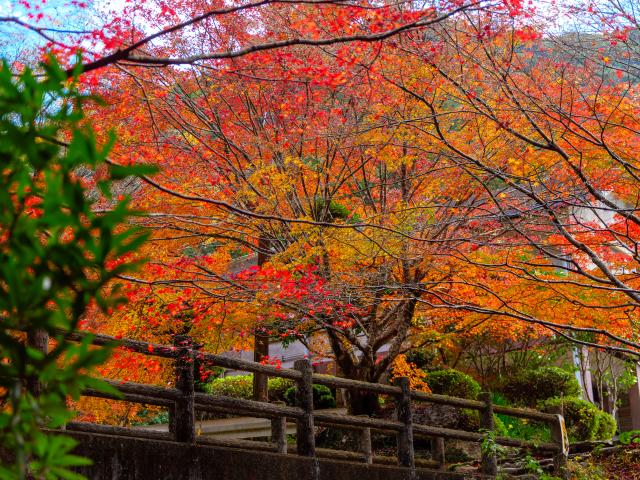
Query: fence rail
point(182, 402)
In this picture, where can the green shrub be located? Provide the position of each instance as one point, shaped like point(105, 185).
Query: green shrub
point(422, 357)
point(453, 383)
point(607, 426)
point(322, 397)
point(533, 386)
point(521, 428)
point(630, 438)
point(583, 419)
point(278, 387)
point(241, 386)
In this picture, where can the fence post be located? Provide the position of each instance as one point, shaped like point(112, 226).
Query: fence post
point(305, 435)
point(260, 380)
point(279, 431)
point(489, 463)
point(406, 457)
point(184, 417)
point(559, 436)
point(364, 444)
point(437, 451)
point(39, 340)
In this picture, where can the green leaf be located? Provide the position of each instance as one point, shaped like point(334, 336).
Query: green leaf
point(119, 172)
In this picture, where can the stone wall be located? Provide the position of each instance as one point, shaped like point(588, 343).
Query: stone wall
point(124, 458)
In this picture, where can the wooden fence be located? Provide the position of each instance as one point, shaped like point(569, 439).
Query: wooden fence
point(182, 402)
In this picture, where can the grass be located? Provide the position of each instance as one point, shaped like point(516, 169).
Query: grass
point(522, 428)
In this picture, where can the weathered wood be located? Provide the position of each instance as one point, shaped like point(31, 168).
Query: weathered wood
point(477, 405)
point(247, 366)
point(448, 433)
point(240, 405)
point(153, 349)
point(489, 460)
point(560, 438)
point(523, 413)
point(351, 421)
point(260, 340)
point(377, 459)
point(145, 348)
point(260, 380)
point(446, 400)
point(406, 457)
point(184, 413)
point(305, 435)
point(279, 432)
point(527, 444)
point(37, 339)
point(437, 451)
point(245, 444)
point(338, 382)
point(305, 417)
point(364, 445)
point(120, 431)
point(145, 390)
point(130, 397)
point(160, 350)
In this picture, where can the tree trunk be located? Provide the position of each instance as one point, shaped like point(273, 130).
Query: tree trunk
point(360, 402)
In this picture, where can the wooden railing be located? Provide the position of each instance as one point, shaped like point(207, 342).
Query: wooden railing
point(182, 402)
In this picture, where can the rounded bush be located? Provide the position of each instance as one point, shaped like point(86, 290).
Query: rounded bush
point(422, 357)
point(322, 397)
point(607, 426)
point(241, 386)
point(277, 388)
point(533, 386)
point(584, 421)
point(453, 383)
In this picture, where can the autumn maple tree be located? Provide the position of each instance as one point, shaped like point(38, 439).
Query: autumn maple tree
point(545, 124)
point(364, 177)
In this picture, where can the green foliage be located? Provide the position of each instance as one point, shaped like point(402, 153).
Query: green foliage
point(241, 386)
point(453, 383)
point(630, 438)
point(583, 419)
point(277, 388)
point(521, 428)
point(532, 386)
point(531, 465)
point(152, 418)
point(334, 212)
point(238, 386)
point(322, 397)
point(607, 426)
point(422, 357)
point(56, 257)
point(499, 427)
point(489, 446)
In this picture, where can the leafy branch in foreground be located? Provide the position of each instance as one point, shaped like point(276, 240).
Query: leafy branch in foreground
point(56, 258)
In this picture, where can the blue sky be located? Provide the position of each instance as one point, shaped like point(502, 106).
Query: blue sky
point(16, 41)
